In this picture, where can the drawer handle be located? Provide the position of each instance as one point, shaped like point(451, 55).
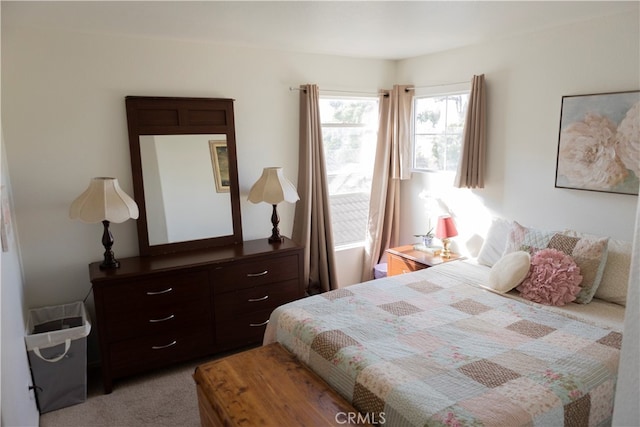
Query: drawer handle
point(160, 292)
point(264, 298)
point(255, 325)
point(160, 347)
point(162, 320)
point(257, 274)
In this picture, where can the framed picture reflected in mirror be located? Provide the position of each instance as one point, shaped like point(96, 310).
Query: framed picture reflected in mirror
point(220, 161)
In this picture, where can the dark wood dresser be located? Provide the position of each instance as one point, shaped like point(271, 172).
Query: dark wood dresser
point(156, 311)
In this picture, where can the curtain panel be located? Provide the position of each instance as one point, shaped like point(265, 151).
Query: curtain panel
point(392, 164)
point(471, 168)
point(312, 221)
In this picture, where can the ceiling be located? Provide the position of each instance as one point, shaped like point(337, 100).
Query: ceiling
point(363, 29)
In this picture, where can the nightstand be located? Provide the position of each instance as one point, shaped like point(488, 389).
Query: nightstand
point(405, 259)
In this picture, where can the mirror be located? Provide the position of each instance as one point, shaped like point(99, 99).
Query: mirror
point(183, 160)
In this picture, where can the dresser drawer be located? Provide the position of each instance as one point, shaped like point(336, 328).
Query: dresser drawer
point(242, 330)
point(160, 319)
point(267, 297)
point(139, 354)
point(398, 265)
point(240, 275)
point(154, 293)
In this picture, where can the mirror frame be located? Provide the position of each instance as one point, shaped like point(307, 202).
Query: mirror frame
point(181, 116)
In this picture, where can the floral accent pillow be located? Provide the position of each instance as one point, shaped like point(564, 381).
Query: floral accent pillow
point(553, 279)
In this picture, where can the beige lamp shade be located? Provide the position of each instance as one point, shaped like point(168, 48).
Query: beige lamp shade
point(273, 188)
point(103, 200)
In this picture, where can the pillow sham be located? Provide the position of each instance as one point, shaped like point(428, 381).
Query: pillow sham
point(495, 243)
point(615, 277)
point(588, 252)
point(525, 238)
point(509, 271)
point(553, 278)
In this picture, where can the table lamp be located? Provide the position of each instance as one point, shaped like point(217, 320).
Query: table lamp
point(104, 201)
point(446, 229)
point(273, 188)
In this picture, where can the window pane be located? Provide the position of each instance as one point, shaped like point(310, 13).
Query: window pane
point(349, 159)
point(430, 115)
point(429, 151)
point(348, 111)
point(349, 133)
point(456, 108)
point(453, 149)
point(438, 127)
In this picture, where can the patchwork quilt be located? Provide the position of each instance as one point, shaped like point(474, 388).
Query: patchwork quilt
point(429, 349)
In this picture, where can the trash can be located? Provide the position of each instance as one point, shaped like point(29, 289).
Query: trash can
point(380, 271)
point(57, 349)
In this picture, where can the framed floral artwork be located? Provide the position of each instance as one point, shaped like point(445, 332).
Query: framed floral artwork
point(599, 142)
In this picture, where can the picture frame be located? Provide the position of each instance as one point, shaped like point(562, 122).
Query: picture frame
point(220, 163)
point(598, 147)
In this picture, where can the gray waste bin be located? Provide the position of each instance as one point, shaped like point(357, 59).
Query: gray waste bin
point(380, 271)
point(57, 350)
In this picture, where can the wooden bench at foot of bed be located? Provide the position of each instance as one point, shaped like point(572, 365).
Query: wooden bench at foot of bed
point(267, 386)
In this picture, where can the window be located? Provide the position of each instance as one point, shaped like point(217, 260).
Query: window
point(349, 133)
point(438, 126)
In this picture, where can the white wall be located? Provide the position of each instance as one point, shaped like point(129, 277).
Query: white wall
point(65, 122)
point(626, 410)
point(526, 78)
point(18, 406)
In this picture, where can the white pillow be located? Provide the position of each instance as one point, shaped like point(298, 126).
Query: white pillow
point(509, 271)
point(495, 243)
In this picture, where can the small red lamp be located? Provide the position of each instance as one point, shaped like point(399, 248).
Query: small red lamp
point(444, 231)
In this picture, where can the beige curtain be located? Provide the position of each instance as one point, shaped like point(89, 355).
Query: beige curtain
point(392, 163)
point(471, 167)
point(312, 222)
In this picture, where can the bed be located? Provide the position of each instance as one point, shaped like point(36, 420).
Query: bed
point(440, 347)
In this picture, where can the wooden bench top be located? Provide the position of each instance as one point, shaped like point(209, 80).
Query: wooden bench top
point(267, 386)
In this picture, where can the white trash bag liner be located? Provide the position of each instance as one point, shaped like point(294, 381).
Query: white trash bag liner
point(61, 323)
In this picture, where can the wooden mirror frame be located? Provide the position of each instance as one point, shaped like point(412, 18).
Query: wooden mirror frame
point(181, 116)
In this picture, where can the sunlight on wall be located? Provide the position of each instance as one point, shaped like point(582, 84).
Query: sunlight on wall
point(438, 197)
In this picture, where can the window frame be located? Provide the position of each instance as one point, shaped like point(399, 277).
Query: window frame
point(432, 92)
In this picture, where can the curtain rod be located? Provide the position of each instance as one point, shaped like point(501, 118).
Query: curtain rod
point(340, 91)
point(291, 88)
point(436, 85)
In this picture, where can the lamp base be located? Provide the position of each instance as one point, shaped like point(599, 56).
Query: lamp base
point(107, 241)
point(275, 231)
point(109, 263)
point(276, 239)
point(446, 251)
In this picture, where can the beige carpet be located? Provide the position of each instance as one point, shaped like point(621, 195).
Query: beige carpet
point(162, 398)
